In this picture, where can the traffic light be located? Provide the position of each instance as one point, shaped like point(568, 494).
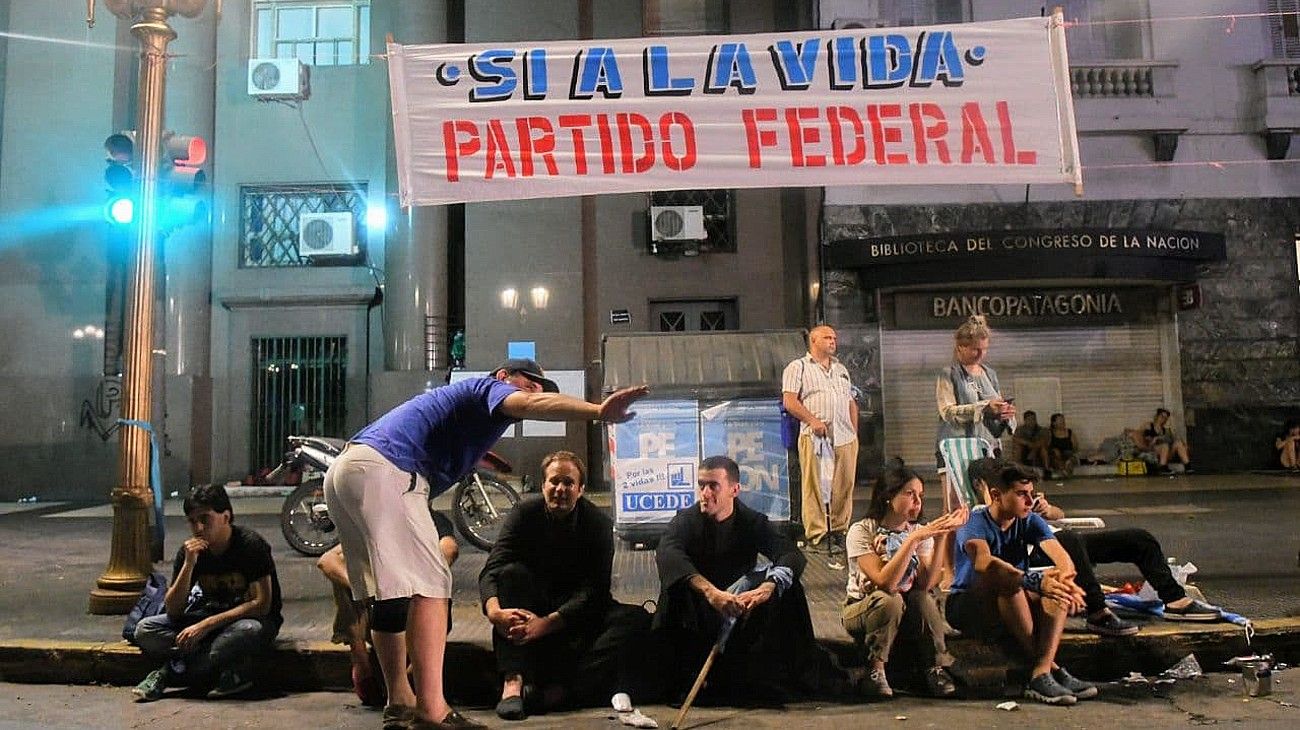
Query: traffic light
point(183, 181)
point(123, 187)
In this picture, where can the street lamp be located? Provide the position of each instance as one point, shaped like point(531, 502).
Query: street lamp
point(129, 561)
point(538, 296)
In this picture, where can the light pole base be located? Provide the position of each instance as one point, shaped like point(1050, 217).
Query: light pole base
point(108, 602)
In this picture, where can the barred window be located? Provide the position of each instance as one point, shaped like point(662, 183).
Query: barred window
point(1284, 27)
point(270, 221)
point(719, 220)
point(316, 32)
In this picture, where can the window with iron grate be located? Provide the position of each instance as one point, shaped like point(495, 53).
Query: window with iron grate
point(269, 222)
point(719, 221)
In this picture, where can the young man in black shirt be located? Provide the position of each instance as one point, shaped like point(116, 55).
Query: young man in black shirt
point(223, 604)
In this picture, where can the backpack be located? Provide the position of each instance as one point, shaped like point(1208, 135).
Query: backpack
point(789, 424)
point(150, 604)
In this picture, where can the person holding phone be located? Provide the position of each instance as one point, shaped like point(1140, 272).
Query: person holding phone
point(968, 395)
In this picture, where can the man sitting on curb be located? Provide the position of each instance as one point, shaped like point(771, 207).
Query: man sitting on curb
point(995, 593)
point(222, 607)
point(710, 547)
point(352, 625)
point(1127, 545)
point(546, 590)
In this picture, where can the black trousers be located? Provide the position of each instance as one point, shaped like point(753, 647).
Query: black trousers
point(1126, 545)
point(596, 655)
point(772, 655)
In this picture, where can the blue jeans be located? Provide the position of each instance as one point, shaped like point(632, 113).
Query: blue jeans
point(227, 647)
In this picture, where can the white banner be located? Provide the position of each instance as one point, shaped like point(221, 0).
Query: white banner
point(968, 103)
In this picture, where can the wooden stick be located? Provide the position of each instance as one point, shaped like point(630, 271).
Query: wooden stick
point(695, 689)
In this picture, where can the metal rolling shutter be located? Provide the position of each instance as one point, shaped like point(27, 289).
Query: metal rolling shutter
point(1109, 378)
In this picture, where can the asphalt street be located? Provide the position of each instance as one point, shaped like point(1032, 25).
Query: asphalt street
point(1215, 699)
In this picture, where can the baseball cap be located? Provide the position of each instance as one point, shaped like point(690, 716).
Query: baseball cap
point(529, 369)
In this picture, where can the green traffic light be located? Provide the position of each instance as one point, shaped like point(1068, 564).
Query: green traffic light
point(121, 211)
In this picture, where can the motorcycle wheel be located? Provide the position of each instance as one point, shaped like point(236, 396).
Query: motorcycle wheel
point(479, 513)
point(305, 530)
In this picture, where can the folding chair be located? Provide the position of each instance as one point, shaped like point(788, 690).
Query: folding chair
point(958, 453)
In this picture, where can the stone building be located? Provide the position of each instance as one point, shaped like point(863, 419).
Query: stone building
point(1170, 282)
point(258, 338)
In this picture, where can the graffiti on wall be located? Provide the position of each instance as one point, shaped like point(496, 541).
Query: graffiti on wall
point(99, 414)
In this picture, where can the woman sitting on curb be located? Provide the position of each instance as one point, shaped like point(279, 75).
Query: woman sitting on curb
point(894, 562)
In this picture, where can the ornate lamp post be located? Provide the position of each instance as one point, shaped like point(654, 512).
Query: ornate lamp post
point(129, 564)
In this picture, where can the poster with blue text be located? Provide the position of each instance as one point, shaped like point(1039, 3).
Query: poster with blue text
point(749, 431)
point(653, 459)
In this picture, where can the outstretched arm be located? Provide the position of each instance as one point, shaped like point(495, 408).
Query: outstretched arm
point(558, 407)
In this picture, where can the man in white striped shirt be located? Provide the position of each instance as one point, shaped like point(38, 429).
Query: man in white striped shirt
point(816, 390)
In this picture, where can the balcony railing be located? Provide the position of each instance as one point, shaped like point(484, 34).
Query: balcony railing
point(1121, 79)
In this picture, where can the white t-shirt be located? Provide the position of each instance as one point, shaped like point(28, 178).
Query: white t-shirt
point(867, 536)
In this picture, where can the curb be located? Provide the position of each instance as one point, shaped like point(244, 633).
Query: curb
point(321, 665)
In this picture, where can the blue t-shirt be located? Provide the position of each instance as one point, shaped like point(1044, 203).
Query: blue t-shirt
point(1011, 545)
point(442, 433)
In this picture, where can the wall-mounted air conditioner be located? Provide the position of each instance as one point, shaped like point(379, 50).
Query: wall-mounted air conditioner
point(859, 23)
point(677, 223)
point(325, 234)
point(277, 78)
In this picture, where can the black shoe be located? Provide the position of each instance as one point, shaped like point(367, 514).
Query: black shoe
point(1111, 625)
point(1193, 611)
point(511, 709)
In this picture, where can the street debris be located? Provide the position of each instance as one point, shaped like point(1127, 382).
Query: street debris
point(1009, 706)
point(900, 717)
point(1135, 678)
point(636, 719)
point(1186, 668)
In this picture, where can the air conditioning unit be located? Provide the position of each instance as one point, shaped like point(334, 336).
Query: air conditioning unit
point(277, 78)
point(677, 223)
point(859, 23)
point(325, 234)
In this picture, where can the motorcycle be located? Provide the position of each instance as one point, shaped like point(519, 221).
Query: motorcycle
point(479, 504)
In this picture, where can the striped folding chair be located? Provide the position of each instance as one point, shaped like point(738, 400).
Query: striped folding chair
point(957, 455)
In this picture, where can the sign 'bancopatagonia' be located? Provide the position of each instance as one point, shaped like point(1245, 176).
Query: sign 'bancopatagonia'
point(968, 103)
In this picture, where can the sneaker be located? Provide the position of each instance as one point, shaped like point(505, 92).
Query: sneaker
point(1108, 624)
point(397, 717)
point(229, 683)
point(1193, 611)
point(151, 687)
point(1047, 690)
point(939, 682)
point(877, 685)
point(1079, 688)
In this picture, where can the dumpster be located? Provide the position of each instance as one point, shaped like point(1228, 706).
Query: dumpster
point(710, 393)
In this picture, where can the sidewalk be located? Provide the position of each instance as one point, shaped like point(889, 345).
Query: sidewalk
point(53, 553)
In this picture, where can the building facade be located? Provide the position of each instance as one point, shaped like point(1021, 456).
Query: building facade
point(258, 337)
point(1185, 294)
point(1172, 281)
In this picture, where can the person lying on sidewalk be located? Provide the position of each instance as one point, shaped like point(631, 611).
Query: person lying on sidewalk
point(545, 588)
point(709, 549)
point(1125, 545)
point(222, 607)
point(994, 593)
point(894, 562)
point(352, 622)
